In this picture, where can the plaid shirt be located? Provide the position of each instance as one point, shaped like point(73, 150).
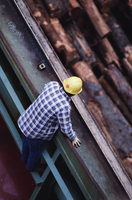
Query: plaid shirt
point(49, 111)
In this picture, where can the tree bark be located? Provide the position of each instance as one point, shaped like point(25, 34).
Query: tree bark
point(43, 20)
point(112, 122)
point(57, 8)
point(54, 31)
point(101, 27)
point(107, 52)
point(119, 37)
point(69, 49)
point(106, 5)
point(129, 3)
point(81, 44)
point(116, 99)
point(120, 84)
point(75, 10)
point(128, 67)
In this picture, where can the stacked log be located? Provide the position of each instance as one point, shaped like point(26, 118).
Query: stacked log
point(122, 42)
point(75, 10)
point(107, 52)
point(120, 84)
point(105, 6)
point(101, 27)
point(54, 31)
point(116, 98)
point(114, 125)
point(127, 65)
point(129, 3)
point(57, 8)
point(81, 44)
point(69, 50)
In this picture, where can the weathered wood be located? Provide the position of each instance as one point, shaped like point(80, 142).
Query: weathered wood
point(57, 8)
point(81, 44)
point(106, 5)
point(82, 70)
point(120, 84)
point(107, 52)
point(115, 98)
point(99, 67)
point(128, 67)
point(75, 10)
point(101, 27)
point(129, 3)
point(127, 163)
point(69, 49)
point(53, 7)
point(119, 37)
point(55, 32)
point(115, 126)
point(43, 19)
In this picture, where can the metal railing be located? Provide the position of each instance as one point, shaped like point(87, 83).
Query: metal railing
point(50, 161)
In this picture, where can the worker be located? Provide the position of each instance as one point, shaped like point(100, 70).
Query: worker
point(44, 116)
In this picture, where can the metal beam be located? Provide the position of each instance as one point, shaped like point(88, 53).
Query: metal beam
point(11, 91)
point(57, 176)
point(18, 141)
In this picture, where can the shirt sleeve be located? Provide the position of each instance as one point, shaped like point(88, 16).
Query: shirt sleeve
point(65, 123)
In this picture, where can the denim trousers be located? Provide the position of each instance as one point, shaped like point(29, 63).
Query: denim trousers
point(32, 152)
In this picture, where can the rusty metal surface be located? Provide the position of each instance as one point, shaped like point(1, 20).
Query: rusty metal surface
point(27, 54)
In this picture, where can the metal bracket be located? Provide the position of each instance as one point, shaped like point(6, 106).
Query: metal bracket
point(41, 66)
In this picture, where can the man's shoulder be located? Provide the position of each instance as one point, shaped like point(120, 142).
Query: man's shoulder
point(53, 84)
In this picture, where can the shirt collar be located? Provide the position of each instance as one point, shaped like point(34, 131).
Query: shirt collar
point(64, 93)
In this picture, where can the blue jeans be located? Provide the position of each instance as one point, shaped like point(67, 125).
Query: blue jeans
point(32, 152)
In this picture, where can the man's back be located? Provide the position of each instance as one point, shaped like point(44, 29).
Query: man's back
point(46, 113)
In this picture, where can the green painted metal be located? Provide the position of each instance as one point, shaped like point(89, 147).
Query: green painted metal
point(56, 174)
point(47, 170)
point(11, 126)
point(18, 141)
point(16, 137)
point(10, 91)
point(85, 183)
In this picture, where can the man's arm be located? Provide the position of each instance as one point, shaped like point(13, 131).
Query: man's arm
point(66, 127)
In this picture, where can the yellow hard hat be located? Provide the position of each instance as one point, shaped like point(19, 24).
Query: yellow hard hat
point(73, 85)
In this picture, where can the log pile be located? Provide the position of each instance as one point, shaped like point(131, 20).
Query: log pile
point(93, 40)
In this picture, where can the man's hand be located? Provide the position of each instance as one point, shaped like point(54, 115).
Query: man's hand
point(76, 142)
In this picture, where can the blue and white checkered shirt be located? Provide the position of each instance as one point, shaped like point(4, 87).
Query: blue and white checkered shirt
point(49, 111)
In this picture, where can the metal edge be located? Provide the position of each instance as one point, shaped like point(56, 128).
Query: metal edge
point(14, 62)
point(79, 169)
